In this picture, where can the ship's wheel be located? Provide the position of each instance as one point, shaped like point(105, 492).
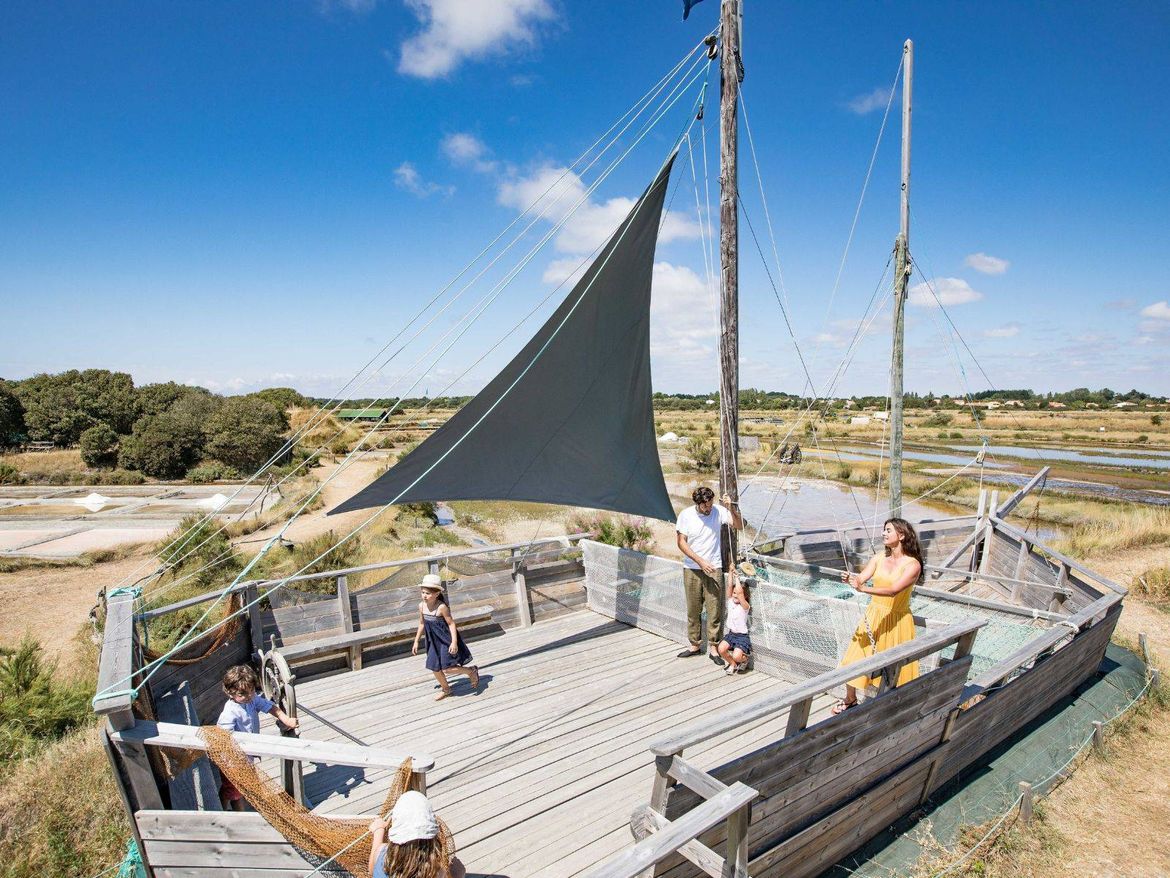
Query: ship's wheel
point(277, 681)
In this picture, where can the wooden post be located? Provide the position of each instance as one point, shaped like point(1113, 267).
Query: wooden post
point(1021, 564)
point(1025, 803)
point(988, 533)
point(902, 269)
point(1098, 736)
point(730, 69)
point(255, 625)
point(346, 611)
point(661, 783)
point(735, 863)
point(521, 585)
point(798, 717)
point(129, 805)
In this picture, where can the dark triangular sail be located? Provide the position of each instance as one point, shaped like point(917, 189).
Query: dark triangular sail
point(569, 420)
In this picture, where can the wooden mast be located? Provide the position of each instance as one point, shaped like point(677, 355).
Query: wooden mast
point(902, 270)
point(730, 68)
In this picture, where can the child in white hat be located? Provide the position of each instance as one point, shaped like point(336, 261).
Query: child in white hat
point(414, 847)
point(446, 651)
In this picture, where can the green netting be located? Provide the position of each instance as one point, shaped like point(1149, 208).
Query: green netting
point(1002, 635)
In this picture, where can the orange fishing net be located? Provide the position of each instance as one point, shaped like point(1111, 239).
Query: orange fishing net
point(208, 643)
point(342, 842)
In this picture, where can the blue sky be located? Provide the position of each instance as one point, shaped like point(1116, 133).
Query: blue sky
point(241, 195)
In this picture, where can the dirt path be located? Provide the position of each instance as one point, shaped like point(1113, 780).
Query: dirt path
point(53, 603)
point(341, 487)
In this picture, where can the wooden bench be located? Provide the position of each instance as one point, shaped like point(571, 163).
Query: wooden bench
point(351, 642)
point(196, 788)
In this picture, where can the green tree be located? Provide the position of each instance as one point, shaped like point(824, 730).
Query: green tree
point(284, 398)
point(164, 446)
point(11, 417)
point(59, 408)
point(99, 446)
point(154, 399)
point(245, 432)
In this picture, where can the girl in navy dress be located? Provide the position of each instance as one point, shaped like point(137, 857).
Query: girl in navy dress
point(446, 651)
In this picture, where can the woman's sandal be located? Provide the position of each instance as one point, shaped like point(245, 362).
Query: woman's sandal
point(842, 705)
point(473, 675)
point(443, 693)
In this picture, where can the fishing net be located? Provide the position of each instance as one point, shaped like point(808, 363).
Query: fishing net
point(204, 645)
point(336, 846)
point(800, 623)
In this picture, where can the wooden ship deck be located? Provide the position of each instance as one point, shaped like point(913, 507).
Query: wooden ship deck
point(592, 749)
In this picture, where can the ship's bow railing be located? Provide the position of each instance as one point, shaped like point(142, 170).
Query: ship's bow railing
point(692, 809)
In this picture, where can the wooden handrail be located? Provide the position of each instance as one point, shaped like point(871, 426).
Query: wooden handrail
point(633, 861)
point(332, 574)
point(1068, 627)
point(705, 729)
point(116, 663)
point(176, 735)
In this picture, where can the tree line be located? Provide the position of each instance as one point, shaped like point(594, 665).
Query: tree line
point(161, 430)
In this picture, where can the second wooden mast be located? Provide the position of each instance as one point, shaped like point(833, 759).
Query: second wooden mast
point(902, 269)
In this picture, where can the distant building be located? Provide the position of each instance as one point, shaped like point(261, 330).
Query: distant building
point(368, 414)
point(882, 416)
point(859, 421)
point(1125, 405)
point(1057, 405)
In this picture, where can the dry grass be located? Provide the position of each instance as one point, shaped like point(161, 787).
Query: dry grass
point(1116, 527)
point(60, 813)
point(43, 465)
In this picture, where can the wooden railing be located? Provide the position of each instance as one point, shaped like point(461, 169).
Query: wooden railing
point(663, 838)
point(521, 554)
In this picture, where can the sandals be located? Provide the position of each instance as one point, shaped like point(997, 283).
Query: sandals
point(842, 705)
point(731, 669)
point(443, 693)
point(473, 676)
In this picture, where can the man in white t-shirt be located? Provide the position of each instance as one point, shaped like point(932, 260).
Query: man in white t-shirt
point(700, 539)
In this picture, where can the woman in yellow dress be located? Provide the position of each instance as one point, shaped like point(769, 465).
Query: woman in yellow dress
point(888, 620)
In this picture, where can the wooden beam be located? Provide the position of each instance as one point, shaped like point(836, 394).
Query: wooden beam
point(331, 753)
point(518, 579)
point(631, 862)
point(987, 604)
point(1014, 500)
point(1052, 553)
point(116, 663)
point(646, 821)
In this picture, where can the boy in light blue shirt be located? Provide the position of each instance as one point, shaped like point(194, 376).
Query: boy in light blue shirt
point(241, 713)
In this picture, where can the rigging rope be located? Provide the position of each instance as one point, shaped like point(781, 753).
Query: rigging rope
point(637, 109)
point(150, 668)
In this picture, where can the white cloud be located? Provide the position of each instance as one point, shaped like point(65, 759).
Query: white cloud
point(553, 191)
point(455, 30)
point(1008, 330)
point(682, 327)
point(407, 178)
point(870, 101)
point(1157, 311)
point(950, 291)
point(469, 151)
point(985, 264)
point(560, 270)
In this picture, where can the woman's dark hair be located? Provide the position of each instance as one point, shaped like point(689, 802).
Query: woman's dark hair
point(702, 495)
point(910, 545)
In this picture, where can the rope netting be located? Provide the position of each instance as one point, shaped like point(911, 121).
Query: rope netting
point(334, 846)
point(800, 624)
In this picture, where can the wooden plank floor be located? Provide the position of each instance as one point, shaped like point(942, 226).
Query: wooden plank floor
point(539, 773)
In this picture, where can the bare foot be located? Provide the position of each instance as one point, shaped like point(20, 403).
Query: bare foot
point(443, 693)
